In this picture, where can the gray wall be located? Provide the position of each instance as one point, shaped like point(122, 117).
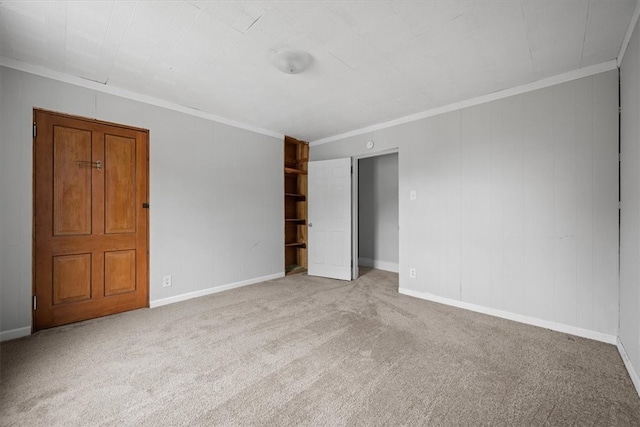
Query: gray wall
point(517, 203)
point(206, 180)
point(630, 212)
point(378, 212)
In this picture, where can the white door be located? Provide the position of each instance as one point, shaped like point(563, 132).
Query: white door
point(329, 204)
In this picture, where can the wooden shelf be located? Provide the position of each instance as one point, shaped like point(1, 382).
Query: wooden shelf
point(296, 245)
point(301, 220)
point(294, 171)
point(294, 269)
point(302, 197)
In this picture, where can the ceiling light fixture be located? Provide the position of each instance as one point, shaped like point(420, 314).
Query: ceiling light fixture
point(292, 61)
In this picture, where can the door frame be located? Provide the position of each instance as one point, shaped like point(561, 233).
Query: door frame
point(355, 186)
point(33, 199)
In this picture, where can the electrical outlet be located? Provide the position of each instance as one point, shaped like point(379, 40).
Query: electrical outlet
point(166, 281)
point(412, 273)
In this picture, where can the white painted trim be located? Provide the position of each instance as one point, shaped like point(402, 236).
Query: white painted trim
point(627, 36)
point(214, 290)
point(123, 93)
point(380, 265)
point(15, 333)
point(635, 379)
point(355, 219)
point(559, 327)
point(517, 90)
point(377, 153)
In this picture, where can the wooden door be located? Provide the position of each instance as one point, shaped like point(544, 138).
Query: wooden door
point(90, 226)
point(329, 210)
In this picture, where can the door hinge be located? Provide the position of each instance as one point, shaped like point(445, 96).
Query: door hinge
point(34, 129)
point(619, 204)
point(619, 157)
point(35, 303)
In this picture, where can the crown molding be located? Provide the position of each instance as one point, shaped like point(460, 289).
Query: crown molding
point(517, 90)
point(123, 93)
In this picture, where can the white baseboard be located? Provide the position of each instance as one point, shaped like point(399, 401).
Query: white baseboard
point(635, 379)
point(15, 333)
point(554, 326)
point(216, 289)
point(26, 331)
point(380, 265)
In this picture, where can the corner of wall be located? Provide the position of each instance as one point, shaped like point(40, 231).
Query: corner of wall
point(635, 379)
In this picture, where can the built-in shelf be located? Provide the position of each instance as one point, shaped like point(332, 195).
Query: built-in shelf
point(296, 157)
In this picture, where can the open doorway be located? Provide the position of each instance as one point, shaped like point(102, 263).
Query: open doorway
point(376, 212)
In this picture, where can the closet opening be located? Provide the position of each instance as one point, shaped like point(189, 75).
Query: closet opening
point(376, 212)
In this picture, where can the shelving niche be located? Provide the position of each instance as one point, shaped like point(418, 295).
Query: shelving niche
point(296, 157)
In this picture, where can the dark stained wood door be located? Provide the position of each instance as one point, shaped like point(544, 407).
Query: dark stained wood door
point(90, 226)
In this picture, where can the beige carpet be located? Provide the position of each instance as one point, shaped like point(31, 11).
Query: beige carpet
point(309, 351)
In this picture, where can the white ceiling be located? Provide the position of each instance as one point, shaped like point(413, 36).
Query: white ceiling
point(374, 61)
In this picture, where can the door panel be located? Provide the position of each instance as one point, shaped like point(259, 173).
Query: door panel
point(329, 204)
point(119, 186)
point(119, 272)
point(317, 245)
point(71, 182)
point(337, 249)
point(71, 278)
point(91, 230)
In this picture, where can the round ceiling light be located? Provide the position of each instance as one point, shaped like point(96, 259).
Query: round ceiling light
point(292, 61)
